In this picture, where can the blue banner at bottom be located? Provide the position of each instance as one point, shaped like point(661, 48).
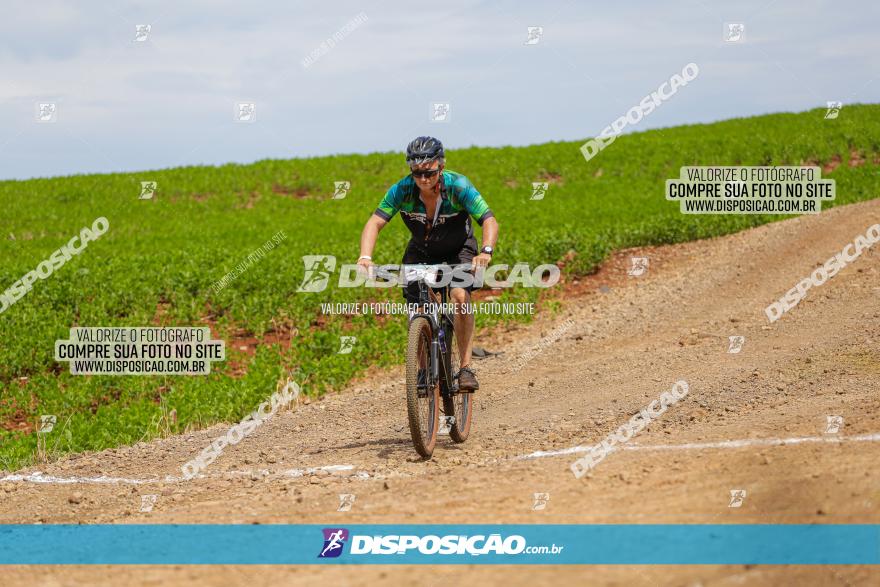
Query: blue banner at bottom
point(164, 544)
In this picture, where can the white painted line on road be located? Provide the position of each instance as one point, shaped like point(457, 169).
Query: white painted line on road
point(310, 470)
point(711, 445)
point(39, 477)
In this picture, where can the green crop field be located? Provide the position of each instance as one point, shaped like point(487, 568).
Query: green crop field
point(158, 261)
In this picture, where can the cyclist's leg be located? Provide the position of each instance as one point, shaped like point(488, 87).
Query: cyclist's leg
point(464, 320)
point(464, 324)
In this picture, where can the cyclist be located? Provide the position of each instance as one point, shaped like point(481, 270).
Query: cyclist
point(437, 206)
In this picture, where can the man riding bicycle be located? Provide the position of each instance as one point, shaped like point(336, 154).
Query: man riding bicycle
point(437, 205)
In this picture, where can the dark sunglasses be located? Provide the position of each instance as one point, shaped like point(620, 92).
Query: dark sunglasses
point(425, 172)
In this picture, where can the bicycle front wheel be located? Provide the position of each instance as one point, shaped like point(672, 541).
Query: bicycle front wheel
point(422, 393)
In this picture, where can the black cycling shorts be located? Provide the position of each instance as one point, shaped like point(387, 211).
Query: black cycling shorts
point(413, 256)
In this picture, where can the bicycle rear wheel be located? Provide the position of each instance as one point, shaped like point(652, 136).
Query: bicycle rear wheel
point(455, 404)
point(422, 394)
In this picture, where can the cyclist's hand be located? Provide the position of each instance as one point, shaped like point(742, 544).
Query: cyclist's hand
point(481, 261)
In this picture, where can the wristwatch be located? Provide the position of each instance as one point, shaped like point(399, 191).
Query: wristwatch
point(487, 249)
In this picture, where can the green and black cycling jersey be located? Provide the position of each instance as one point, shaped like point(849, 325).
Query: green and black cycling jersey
point(451, 228)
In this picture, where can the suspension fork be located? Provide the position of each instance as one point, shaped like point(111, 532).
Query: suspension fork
point(435, 355)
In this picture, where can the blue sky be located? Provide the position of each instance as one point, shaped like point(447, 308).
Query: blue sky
point(170, 101)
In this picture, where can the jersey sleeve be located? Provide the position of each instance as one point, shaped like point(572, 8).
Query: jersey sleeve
point(474, 203)
point(390, 204)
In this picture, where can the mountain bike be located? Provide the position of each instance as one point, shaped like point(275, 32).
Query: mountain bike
point(432, 365)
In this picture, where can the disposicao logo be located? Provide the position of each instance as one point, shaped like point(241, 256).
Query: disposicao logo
point(334, 540)
point(320, 268)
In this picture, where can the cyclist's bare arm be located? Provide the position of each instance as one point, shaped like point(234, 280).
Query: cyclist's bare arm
point(490, 232)
point(490, 237)
point(368, 238)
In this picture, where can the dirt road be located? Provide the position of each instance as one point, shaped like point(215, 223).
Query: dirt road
point(756, 421)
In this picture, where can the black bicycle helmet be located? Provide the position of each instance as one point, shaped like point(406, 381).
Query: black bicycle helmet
point(424, 150)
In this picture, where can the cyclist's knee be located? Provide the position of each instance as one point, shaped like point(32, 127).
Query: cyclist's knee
point(459, 295)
